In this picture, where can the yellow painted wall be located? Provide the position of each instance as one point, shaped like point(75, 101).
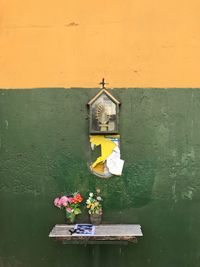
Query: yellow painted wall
point(132, 43)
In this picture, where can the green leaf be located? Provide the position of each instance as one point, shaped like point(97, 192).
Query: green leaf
point(77, 211)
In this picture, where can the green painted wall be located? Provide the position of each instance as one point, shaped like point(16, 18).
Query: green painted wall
point(44, 151)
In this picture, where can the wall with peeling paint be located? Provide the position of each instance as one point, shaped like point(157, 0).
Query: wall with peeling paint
point(44, 150)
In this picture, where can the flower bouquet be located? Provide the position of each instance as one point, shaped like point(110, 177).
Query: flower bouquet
point(94, 207)
point(71, 204)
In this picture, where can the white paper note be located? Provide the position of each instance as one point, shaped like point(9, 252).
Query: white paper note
point(114, 163)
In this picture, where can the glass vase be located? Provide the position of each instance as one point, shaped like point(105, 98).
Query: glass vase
point(70, 218)
point(95, 219)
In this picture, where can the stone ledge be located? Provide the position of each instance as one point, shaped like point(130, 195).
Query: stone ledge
point(104, 234)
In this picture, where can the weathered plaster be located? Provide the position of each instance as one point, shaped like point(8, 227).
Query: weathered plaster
point(44, 152)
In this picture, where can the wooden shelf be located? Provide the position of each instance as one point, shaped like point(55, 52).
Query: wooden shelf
point(104, 234)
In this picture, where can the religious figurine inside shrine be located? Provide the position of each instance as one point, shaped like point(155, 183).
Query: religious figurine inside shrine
point(104, 113)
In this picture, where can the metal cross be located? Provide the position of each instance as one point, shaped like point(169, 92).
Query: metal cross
point(103, 83)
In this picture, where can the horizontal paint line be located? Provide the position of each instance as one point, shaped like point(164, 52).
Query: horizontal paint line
point(98, 88)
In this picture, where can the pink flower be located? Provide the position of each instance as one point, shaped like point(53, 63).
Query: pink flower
point(65, 204)
point(57, 202)
point(63, 200)
point(70, 199)
point(69, 209)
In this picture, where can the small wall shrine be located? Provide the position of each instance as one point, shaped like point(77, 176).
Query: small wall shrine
point(104, 132)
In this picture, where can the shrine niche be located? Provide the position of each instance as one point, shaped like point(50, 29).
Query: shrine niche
point(104, 133)
point(104, 113)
